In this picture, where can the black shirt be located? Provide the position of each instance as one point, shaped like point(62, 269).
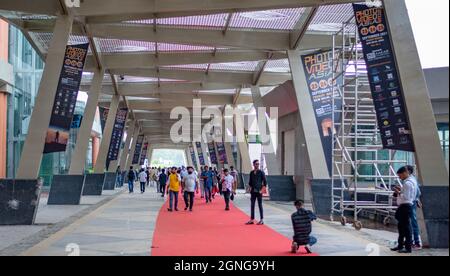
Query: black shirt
point(257, 181)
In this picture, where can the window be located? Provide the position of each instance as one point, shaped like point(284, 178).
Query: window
point(444, 137)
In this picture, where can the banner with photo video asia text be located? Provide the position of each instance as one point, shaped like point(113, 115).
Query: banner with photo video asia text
point(66, 98)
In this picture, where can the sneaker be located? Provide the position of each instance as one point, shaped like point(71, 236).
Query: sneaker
point(261, 222)
point(405, 251)
point(294, 248)
point(396, 249)
point(227, 209)
point(186, 208)
point(417, 247)
point(170, 210)
point(176, 209)
point(251, 222)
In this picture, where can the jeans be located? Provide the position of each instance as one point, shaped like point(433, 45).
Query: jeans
point(119, 181)
point(208, 193)
point(189, 199)
point(254, 197)
point(415, 225)
point(143, 187)
point(130, 186)
point(226, 196)
point(173, 198)
point(162, 188)
point(403, 217)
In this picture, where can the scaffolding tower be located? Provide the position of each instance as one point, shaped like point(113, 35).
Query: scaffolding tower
point(363, 173)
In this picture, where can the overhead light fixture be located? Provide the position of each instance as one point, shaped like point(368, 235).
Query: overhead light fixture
point(264, 15)
point(325, 27)
point(130, 48)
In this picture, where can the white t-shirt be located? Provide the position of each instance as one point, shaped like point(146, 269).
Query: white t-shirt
point(190, 181)
point(228, 183)
point(142, 177)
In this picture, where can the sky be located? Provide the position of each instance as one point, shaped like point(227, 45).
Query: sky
point(430, 22)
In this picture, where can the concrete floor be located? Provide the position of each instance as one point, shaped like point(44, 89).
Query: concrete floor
point(123, 224)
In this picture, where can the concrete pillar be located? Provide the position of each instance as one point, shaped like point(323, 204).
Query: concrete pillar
point(137, 130)
point(32, 152)
point(95, 150)
point(188, 157)
point(433, 173)
point(246, 163)
point(126, 149)
point(150, 155)
point(196, 156)
point(78, 162)
point(307, 118)
point(100, 166)
point(269, 149)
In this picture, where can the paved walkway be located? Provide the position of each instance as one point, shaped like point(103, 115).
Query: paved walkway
point(125, 226)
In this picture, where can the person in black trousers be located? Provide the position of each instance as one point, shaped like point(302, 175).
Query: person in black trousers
point(257, 183)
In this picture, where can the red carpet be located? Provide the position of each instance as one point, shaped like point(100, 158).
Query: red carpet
point(210, 231)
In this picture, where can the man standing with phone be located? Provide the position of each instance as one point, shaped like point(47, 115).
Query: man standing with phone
point(256, 187)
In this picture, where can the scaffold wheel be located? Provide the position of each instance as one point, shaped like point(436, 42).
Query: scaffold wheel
point(358, 225)
point(343, 221)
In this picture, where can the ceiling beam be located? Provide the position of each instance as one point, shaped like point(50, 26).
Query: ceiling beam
point(301, 27)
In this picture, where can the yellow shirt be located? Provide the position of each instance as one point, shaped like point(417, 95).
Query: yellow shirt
point(174, 183)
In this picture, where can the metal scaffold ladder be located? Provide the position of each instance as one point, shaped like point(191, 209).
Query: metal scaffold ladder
point(363, 173)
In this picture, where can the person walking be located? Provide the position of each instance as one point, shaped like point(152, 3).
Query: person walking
point(406, 195)
point(131, 179)
point(301, 222)
point(173, 190)
point(228, 188)
point(256, 186)
point(119, 180)
point(202, 183)
point(208, 176)
point(190, 185)
point(162, 182)
point(143, 180)
point(234, 173)
point(417, 241)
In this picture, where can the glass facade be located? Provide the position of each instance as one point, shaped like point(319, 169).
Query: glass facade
point(28, 68)
point(444, 137)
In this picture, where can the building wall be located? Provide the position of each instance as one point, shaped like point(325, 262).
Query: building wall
point(3, 100)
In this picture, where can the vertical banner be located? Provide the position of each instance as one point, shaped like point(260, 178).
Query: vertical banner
point(222, 153)
point(201, 158)
point(66, 98)
point(103, 117)
point(144, 154)
point(318, 69)
point(194, 159)
point(137, 151)
point(117, 135)
point(212, 153)
point(384, 80)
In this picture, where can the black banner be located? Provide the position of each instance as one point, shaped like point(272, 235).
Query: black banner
point(193, 157)
point(103, 117)
point(223, 159)
point(144, 154)
point(201, 158)
point(117, 135)
point(212, 153)
point(138, 149)
point(319, 75)
point(66, 98)
point(384, 79)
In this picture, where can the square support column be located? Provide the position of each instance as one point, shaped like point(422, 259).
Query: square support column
point(433, 173)
point(137, 130)
point(78, 162)
point(307, 118)
point(100, 166)
point(33, 149)
point(126, 149)
point(268, 148)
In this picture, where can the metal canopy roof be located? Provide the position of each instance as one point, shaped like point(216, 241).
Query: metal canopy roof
point(164, 53)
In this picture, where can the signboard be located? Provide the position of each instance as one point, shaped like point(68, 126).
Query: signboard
point(212, 153)
point(66, 98)
point(193, 157)
point(138, 149)
point(384, 79)
point(201, 158)
point(318, 69)
point(117, 135)
point(144, 154)
point(103, 117)
point(76, 121)
point(222, 153)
